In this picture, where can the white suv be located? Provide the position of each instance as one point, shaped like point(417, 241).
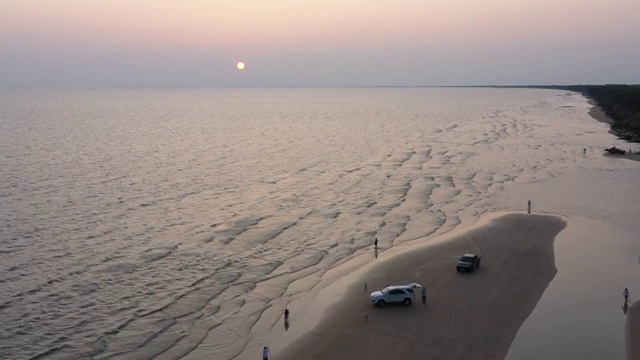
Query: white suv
point(393, 294)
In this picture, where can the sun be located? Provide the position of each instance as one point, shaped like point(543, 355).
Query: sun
point(240, 65)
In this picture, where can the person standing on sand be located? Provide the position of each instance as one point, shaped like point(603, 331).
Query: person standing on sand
point(266, 354)
point(529, 207)
point(626, 294)
point(286, 315)
point(424, 294)
point(375, 243)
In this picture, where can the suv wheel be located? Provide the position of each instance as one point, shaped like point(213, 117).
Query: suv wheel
point(407, 301)
point(380, 303)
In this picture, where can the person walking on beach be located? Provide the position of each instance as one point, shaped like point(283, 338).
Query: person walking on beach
point(626, 294)
point(266, 354)
point(424, 294)
point(529, 207)
point(375, 243)
point(286, 315)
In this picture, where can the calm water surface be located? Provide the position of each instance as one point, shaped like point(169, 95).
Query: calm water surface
point(163, 224)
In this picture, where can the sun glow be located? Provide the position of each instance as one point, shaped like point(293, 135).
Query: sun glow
point(240, 65)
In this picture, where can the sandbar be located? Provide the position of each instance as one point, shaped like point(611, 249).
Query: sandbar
point(467, 315)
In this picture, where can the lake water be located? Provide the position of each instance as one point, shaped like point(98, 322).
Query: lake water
point(163, 224)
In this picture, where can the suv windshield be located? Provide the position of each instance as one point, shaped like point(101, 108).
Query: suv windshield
point(392, 291)
point(466, 259)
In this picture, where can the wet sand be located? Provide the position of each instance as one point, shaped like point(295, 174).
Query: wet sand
point(597, 113)
point(628, 156)
point(632, 330)
point(474, 315)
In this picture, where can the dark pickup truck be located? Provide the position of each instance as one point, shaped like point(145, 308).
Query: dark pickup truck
point(468, 263)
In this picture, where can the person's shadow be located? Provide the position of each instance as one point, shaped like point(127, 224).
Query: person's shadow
point(625, 307)
point(375, 252)
point(286, 324)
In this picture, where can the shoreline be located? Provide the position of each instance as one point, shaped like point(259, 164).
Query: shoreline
point(487, 306)
point(619, 100)
point(598, 114)
point(308, 310)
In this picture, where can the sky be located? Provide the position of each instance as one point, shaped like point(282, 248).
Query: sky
point(197, 43)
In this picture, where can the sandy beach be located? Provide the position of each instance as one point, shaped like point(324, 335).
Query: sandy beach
point(598, 114)
point(632, 152)
point(474, 315)
point(628, 156)
point(632, 331)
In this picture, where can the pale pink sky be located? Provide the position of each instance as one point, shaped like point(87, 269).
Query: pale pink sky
point(142, 43)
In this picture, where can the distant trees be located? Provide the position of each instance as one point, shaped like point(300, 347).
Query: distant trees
point(622, 104)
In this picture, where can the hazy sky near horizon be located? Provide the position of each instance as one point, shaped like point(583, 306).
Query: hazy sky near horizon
point(184, 43)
